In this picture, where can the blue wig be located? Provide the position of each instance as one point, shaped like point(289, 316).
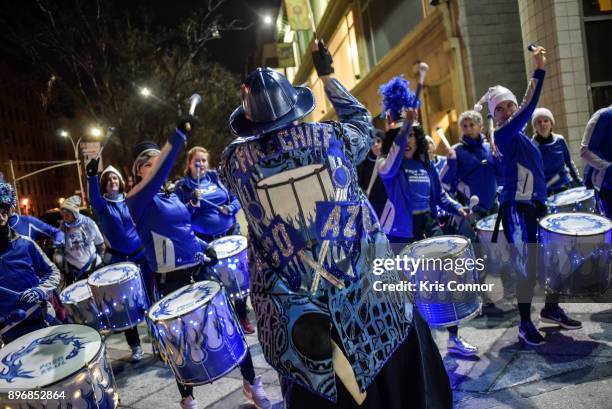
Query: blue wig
point(397, 96)
point(8, 199)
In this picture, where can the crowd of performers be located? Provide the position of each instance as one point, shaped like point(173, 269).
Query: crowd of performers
point(322, 202)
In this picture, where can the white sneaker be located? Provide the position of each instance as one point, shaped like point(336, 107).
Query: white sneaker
point(137, 354)
point(256, 394)
point(458, 345)
point(189, 403)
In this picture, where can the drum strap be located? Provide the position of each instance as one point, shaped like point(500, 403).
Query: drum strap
point(345, 372)
point(123, 255)
point(497, 224)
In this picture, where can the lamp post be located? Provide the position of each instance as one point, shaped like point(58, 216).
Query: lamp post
point(96, 132)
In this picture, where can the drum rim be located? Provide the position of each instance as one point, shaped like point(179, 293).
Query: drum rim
point(212, 243)
point(574, 234)
point(97, 355)
point(90, 284)
point(457, 322)
point(148, 314)
point(405, 249)
point(71, 285)
point(591, 195)
point(501, 228)
point(318, 168)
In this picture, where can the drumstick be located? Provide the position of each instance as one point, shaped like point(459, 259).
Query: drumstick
point(442, 137)
point(491, 132)
point(8, 291)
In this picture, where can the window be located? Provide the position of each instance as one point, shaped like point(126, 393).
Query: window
point(596, 7)
point(343, 48)
point(597, 17)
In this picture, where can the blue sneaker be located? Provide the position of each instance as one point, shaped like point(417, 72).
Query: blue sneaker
point(530, 334)
point(559, 317)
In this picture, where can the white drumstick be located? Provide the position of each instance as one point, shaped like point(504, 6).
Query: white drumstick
point(474, 200)
point(442, 137)
point(194, 100)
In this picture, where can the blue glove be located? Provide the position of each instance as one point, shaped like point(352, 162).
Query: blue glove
point(33, 295)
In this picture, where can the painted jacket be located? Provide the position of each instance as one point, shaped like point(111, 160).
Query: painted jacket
point(299, 189)
point(162, 221)
point(396, 219)
point(522, 166)
point(474, 172)
point(208, 219)
point(35, 229)
point(559, 168)
point(82, 236)
point(115, 222)
point(596, 147)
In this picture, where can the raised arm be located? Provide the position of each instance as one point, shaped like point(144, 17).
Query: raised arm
point(97, 202)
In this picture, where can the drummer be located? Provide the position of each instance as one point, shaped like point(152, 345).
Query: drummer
point(596, 150)
point(107, 198)
point(523, 195)
point(213, 210)
point(559, 168)
point(414, 189)
point(27, 276)
point(473, 170)
point(172, 250)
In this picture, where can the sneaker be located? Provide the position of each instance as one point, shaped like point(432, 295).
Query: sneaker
point(137, 353)
point(256, 394)
point(491, 310)
point(457, 345)
point(189, 403)
point(529, 333)
point(247, 327)
point(559, 317)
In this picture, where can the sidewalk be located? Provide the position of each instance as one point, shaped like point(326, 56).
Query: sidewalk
point(573, 370)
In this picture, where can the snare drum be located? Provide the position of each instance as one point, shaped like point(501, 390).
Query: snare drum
point(233, 265)
point(119, 295)
point(79, 304)
point(440, 307)
point(496, 255)
point(197, 332)
point(575, 253)
point(66, 364)
point(579, 199)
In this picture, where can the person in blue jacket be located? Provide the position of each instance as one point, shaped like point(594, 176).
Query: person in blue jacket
point(559, 168)
point(174, 253)
point(107, 199)
point(523, 196)
point(596, 150)
point(213, 210)
point(34, 228)
point(27, 276)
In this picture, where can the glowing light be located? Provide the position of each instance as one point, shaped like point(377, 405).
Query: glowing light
point(145, 92)
point(95, 132)
point(267, 20)
point(25, 201)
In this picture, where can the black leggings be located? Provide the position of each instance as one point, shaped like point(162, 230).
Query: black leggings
point(132, 337)
point(520, 221)
point(166, 283)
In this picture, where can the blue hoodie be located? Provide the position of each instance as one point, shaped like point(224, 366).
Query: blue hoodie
point(474, 171)
point(596, 147)
point(115, 222)
point(522, 166)
point(396, 219)
point(162, 221)
point(559, 168)
point(208, 219)
point(35, 229)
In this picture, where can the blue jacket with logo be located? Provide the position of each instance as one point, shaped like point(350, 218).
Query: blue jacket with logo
point(35, 229)
point(596, 147)
point(559, 168)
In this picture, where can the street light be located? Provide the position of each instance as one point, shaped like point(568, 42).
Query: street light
point(145, 92)
point(93, 131)
point(267, 20)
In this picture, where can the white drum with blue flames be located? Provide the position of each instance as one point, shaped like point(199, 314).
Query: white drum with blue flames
point(65, 365)
point(197, 332)
point(496, 255)
point(440, 266)
point(579, 199)
point(575, 253)
point(78, 303)
point(119, 295)
point(233, 265)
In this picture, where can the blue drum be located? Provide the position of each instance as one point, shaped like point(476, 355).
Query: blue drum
point(575, 257)
point(197, 332)
point(119, 295)
point(65, 365)
point(496, 255)
point(579, 199)
point(233, 265)
point(79, 305)
point(443, 269)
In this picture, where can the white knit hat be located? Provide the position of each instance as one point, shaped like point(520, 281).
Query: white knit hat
point(72, 205)
point(112, 169)
point(493, 97)
point(545, 112)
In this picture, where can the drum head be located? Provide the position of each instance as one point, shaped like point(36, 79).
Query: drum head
point(436, 247)
point(184, 300)
point(76, 292)
point(570, 196)
point(46, 356)
point(113, 274)
point(488, 223)
point(229, 246)
point(576, 224)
